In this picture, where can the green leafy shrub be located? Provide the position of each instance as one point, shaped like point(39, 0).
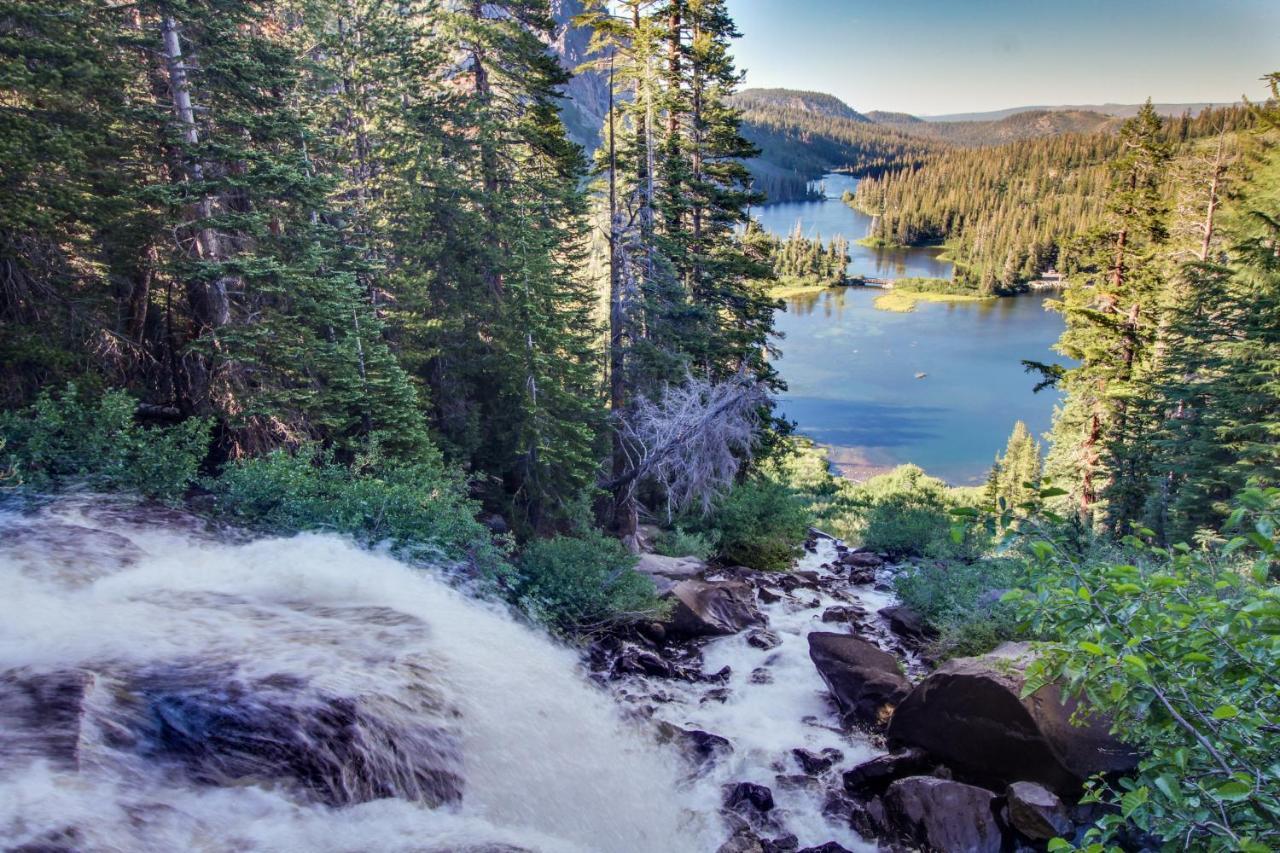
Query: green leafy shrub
point(572, 582)
point(1179, 646)
point(420, 509)
point(907, 513)
point(684, 543)
point(71, 441)
point(762, 524)
point(962, 601)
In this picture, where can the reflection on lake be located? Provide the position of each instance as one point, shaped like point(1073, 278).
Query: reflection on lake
point(833, 217)
point(851, 374)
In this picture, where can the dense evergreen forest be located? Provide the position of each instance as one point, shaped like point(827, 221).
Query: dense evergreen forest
point(1010, 212)
point(804, 135)
point(323, 265)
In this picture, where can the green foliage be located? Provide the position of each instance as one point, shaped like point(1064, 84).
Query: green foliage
point(906, 513)
point(684, 543)
point(419, 508)
point(762, 524)
point(799, 258)
point(961, 600)
point(70, 441)
point(576, 582)
point(1010, 212)
point(1015, 476)
point(1179, 646)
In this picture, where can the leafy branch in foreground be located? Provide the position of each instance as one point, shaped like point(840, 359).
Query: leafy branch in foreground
point(1179, 646)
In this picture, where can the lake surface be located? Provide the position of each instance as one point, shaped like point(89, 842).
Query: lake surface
point(851, 369)
point(833, 217)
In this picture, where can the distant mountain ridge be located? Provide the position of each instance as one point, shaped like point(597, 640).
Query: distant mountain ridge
point(817, 103)
point(1116, 110)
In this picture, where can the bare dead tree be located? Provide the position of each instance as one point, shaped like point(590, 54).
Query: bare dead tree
point(692, 441)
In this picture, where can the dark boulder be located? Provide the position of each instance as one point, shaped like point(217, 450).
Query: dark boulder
point(970, 714)
point(1036, 812)
point(713, 608)
point(814, 763)
point(908, 624)
point(937, 814)
point(743, 840)
point(872, 778)
point(865, 681)
point(43, 714)
point(843, 614)
point(702, 748)
point(762, 639)
point(748, 798)
point(781, 844)
point(829, 847)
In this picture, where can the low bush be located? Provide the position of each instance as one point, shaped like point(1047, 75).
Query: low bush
point(907, 513)
point(70, 441)
point(420, 509)
point(684, 543)
point(762, 524)
point(574, 582)
point(962, 601)
point(1178, 646)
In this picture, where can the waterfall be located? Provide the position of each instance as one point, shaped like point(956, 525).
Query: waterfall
point(169, 687)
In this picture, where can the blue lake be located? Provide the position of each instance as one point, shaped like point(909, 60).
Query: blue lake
point(851, 369)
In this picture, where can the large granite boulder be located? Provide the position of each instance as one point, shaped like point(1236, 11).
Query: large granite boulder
point(872, 778)
point(970, 714)
point(939, 814)
point(713, 608)
point(865, 681)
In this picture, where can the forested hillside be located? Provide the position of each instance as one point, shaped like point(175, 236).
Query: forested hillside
point(1010, 212)
point(803, 135)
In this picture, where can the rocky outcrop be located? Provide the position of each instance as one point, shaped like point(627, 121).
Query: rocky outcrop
point(1036, 812)
point(748, 798)
point(865, 681)
point(666, 572)
point(939, 814)
point(970, 714)
point(908, 625)
point(713, 608)
point(872, 778)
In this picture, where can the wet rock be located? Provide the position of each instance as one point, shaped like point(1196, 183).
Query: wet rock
point(862, 559)
point(702, 748)
point(762, 639)
point(743, 840)
point(654, 632)
point(868, 819)
point(666, 572)
point(708, 609)
point(720, 676)
point(761, 675)
point(872, 778)
point(782, 844)
point(767, 595)
point(829, 847)
point(865, 681)
point(970, 714)
point(1036, 812)
point(797, 782)
point(940, 815)
point(843, 614)
point(223, 729)
point(748, 798)
point(908, 625)
point(814, 763)
point(43, 714)
point(718, 694)
point(633, 660)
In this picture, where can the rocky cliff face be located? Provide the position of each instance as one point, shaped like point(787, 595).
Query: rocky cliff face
point(586, 98)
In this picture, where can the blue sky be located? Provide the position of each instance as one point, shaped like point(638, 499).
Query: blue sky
point(945, 56)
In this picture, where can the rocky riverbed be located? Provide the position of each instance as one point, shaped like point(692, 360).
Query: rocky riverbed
point(810, 719)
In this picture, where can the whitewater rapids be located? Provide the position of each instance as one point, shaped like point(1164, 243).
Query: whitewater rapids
point(510, 748)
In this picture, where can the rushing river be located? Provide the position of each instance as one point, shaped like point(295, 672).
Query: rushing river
point(852, 370)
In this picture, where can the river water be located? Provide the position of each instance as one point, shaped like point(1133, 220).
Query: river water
point(852, 370)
